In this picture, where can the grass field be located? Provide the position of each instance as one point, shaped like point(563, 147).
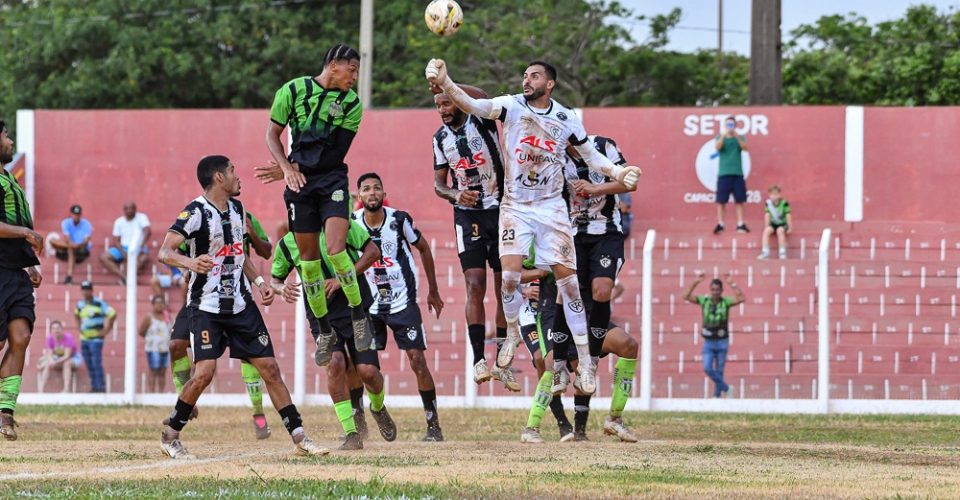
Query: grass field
point(113, 452)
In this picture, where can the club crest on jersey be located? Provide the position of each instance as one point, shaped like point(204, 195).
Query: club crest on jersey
point(558, 336)
point(393, 225)
point(412, 333)
point(389, 247)
point(605, 261)
point(337, 196)
point(476, 144)
point(336, 111)
point(183, 215)
point(598, 333)
point(264, 339)
point(575, 306)
point(556, 132)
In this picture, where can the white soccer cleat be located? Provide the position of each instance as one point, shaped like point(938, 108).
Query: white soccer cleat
point(586, 381)
point(505, 375)
point(561, 379)
point(481, 372)
point(509, 348)
point(531, 435)
point(307, 447)
point(174, 449)
point(566, 434)
point(616, 427)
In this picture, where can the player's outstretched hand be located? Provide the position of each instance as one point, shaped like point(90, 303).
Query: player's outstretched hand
point(35, 277)
point(266, 294)
point(629, 176)
point(201, 265)
point(295, 180)
point(434, 302)
point(268, 173)
point(291, 292)
point(436, 72)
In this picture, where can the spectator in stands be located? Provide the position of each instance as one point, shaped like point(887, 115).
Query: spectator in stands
point(626, 215)
point(715, 331)
point(94, 319)
point(172, 277)
point(776, 220)
point(730, 176)
point(125, 229)
point(73, 246)
point(60, 353)
point(155, 330)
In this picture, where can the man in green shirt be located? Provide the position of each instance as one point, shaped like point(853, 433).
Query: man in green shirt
point(323, 113)
point(715, 329)
point(19, 275)
point(730, 181)
point(288, 257)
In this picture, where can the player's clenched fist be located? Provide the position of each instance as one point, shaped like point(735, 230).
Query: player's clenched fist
point(436, 72)
point(629, 176)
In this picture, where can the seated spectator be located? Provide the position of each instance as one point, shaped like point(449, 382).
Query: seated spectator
point(125, 229)
point(776, 220)
point(73, 246)
point(172, 277)
point(59, 353)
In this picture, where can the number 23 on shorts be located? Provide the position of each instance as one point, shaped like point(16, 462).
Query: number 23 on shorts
point(508, 235)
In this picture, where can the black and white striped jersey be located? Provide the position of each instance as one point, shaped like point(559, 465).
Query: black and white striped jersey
point(207, 230)
point(472, 153)
point(394, 279)
point(595, 214)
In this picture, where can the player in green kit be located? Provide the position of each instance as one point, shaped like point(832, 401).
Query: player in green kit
point(323, 113)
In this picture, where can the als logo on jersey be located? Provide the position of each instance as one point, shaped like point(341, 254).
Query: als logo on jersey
point(562, 116)
point(384, 262)
point(544, 144)
point(470, 162)
point(232, 249)
point(476, 144)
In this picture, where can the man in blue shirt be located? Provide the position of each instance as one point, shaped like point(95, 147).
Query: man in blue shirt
point(74, 246)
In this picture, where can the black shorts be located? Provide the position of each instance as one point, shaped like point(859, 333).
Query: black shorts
point(16, 299)
point(731, 184)
point(79, 254)
point(598, 256)
point(532, 338)
point(343, 327)
point(407, 327)
point(181, 325)
point(245, 333)
point(325, 195)
point(785, 226)
point(477, 238)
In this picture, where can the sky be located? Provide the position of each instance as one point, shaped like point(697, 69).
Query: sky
point(698, 24)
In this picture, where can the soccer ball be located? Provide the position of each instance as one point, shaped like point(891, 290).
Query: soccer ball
point(443, 17)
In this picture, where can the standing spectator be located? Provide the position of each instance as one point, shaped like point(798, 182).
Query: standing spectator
point(626, 214)
point(730, 176)
point(60, 353)
point(74, 245)
point(776, 220)
point(155, 330)
point(94, 319)
point(716, 333)
point(125, 229)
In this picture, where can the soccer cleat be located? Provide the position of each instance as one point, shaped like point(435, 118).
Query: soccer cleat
point(505, 375)
point(742, 228)
point(531, 435)
point(481, 373)
point(561, 379)
point(194, 413)
point(360, 421)
point(764, 255)
point(173, 448)
point(586, 380)
point(307, 447)
point(566, 433)
point(509, 348)
point(260, 426)
point(718, 229)
point(434, 434)
point(352, 442)
point(580, 436)
point(362, 329)
point(616, 427)
point(8, 426)
point(324, 352)
point(783, 254)
point(388, 428)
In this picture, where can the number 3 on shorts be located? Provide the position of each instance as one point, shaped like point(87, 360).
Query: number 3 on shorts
point(476, 230)
point(508, 235)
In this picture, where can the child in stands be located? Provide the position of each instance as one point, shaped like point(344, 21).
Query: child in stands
point(778, 220)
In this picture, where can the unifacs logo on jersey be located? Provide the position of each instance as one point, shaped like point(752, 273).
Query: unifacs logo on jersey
point(466, 163)
point(230, 250)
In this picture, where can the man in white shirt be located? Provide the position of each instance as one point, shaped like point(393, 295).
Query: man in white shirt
point(131, 225)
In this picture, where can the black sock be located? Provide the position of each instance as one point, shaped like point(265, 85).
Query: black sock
point(561, 336)
point(476, 334)
point(581, 413)
point(356, 398)
point(599, 322)
point(8, 411)
point(501, 337)
point(429, 399)
point(291, 418)
point(324, 323)
point(556, 406)
point(181, 414)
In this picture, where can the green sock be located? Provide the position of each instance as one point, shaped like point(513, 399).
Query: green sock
point(181, 372)
point(622, 384)
point(312, 276)
point(347, 276)
point(9, 390)
point(251, 377)
point(541, 400)
point(345, 415)
point(376, 399)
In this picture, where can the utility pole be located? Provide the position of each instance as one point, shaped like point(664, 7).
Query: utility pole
point(765, 53)
point(366, 52)
point(719, 28)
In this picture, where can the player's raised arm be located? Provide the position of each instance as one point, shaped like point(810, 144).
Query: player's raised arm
point(627, 176)
point(436, 74)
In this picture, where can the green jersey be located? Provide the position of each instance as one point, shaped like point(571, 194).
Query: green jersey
point(715, 315)
point(286, 257)
point(778, 212)
point(322, 122)
point(730, 162)
point(15, 253)
point(258, 230)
